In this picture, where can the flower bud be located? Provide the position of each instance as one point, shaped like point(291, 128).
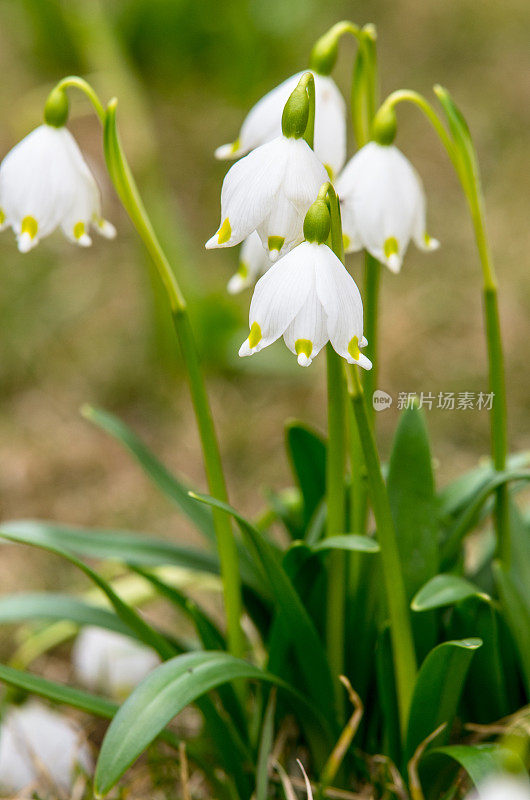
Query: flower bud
point(296, 112)
point(317, 222)
point(384, 127)
point(56, 108)
point(324, 53)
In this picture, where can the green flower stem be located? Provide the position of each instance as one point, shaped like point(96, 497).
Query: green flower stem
point(372, 275)
point(364, 99)
point(128, 193)
point(400, 626)
point(462, 154)
point(335, 495)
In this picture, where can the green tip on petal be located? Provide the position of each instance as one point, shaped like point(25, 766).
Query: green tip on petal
point(30, 226)
point(275, 243)
point(225, 232)
point(303, 349)
point(353, 348)
point(391, 247)
point(254, 337)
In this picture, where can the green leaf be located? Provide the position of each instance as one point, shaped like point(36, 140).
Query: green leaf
point(480, 761)
point(76, 698)
point(127, 614)
point(307, 453)
point(293, 616)
point(457, 495)
point(46, 606)
point(517, 615)
point(265, 749)
point(492, 684)
point(437, 691)
point(211, 639)
point(445, 590)
point(413, 501)
point(347, 541)
point(112, 545)
point(168, 484)
point(467, 519)
point(165, 692)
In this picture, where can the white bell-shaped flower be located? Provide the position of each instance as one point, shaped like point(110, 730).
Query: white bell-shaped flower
point(108, 662)
point(45, 184)
point(253, 262)
point(39, 748)
point(263, 122)
point(502, 787)
point(382, 205)
point(270, 191)
point(309, 298)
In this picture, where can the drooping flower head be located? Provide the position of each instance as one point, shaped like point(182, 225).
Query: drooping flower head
point(271, 189)
point(36, 742)
point(264, 122)
point(253, 262)
point(382, 204)
point(46, 184)
point(309, 298)
point(108, 662)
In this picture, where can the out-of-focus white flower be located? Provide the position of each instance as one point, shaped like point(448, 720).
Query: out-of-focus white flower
point(39, 745)
point(253, 262)
point(308, 297)
point(382, 205)
point(502, 787)
point(270, 191)
point(45, 183)
point(111, 663)
point(263, 122)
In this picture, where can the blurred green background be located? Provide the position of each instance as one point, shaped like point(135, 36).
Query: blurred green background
point(88, 325)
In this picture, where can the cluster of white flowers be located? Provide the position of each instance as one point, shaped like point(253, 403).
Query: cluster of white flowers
point(46, 184)
point(265, 197)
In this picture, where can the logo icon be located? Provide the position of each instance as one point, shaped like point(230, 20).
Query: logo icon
point(381, 400)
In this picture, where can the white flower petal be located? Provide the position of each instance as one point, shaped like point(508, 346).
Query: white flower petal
point(111, 663)
point(308, 333)
point(502, 787)
point(248, 192)
point(36, 740)
point(45, 183)
point(382, 202)
point(253, 262)
point(278, 297)
point(264, 122)
point(330, 124)
point(342, 303)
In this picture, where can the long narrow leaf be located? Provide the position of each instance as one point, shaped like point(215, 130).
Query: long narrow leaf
point(437, 691)
point(160, 697)
point(168, 484)
point(297, 623)
point(127, 614)
point(46, 606)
